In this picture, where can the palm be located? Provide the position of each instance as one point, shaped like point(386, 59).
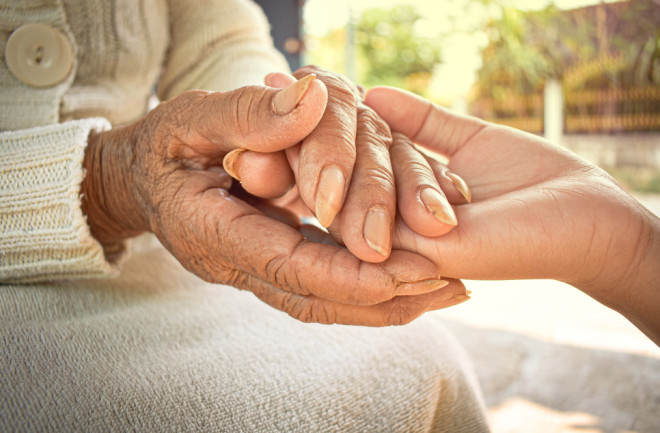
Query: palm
point(498, 161)
point(520, 223)
point(537, 211)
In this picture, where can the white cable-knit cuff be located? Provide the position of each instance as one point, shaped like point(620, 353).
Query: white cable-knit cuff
point(43, 232)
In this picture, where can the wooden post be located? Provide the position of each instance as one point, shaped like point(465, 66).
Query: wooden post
point(286, 22)
point(553, 111)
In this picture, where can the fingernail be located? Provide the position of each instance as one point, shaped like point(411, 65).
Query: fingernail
point(459, 299)
point(377, 231)
point(329, 194)
point(286, 100)
point(438, 205)
point(421, 287)
point(460, 185)
point(230, 160)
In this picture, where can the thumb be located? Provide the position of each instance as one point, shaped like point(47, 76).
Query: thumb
point(269, 119)
point(258, 118)
point(422, 121)
point(268, 174)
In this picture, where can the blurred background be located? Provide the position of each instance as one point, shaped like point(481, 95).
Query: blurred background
point(586, 75)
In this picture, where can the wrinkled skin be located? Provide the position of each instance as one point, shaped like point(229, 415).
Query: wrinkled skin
point(163, 174)
point(537, 211)
point(353, 138)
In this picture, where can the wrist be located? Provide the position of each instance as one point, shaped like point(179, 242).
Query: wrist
point(629, 277)
point(108, 200)
point(640, 292)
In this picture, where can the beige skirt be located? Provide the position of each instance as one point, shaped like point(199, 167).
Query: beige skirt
point(159, 350)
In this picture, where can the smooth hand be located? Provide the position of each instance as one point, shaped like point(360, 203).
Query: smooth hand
point(537, 211)
point(164, 174)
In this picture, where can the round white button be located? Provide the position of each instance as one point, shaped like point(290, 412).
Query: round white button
point(39, 55)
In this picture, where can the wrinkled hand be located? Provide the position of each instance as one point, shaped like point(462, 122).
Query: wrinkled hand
point(162, 174)
point(350, 171)
point(537, 211)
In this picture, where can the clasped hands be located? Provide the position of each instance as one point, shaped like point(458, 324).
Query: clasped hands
point(378, 195)
point(164, 174)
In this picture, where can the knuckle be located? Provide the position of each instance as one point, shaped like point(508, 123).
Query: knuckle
point(212, 273)
point(244, 102)
point(372, 129)
point(340, 134)
point(373, 172)
point(399, 139)
point(273, 269)
point(297, 307)
point(323, 313)
point(361, 90)
point(370, 118)
point(193, 95)
point(420, 170)
point(334, 81)
point(334, 146)
point(173, 115)
point(399, 314)
point(380, 179)
point(308, 310)
point(233, 277)
point(339, 92)
point(278, 272)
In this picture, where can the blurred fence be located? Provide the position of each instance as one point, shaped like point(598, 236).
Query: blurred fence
point(585, 111)
point(613, 110)
point(521, 112)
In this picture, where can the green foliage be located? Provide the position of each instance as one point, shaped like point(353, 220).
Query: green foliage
point(522, 53)
point(329, 51)
point(605, 46)
point(520, 57)
point(391, 51)
point(640, 179)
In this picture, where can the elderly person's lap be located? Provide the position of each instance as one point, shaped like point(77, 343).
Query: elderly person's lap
point(158, 349)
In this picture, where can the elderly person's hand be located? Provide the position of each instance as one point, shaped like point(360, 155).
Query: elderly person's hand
point(163, 174)
point(537, 211)
point(343, 172)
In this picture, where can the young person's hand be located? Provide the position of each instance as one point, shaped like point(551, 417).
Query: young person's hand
point(537, 211)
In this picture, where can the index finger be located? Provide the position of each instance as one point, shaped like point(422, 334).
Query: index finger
point(327, 155)
point(422, 121)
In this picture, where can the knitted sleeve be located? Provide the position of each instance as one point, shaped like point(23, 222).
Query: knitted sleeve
point(217, 45)
point(43, 232)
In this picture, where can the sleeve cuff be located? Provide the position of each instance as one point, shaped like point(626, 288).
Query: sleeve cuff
point(43, 232)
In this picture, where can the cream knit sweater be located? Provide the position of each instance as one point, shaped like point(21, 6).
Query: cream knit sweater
point(123, 49)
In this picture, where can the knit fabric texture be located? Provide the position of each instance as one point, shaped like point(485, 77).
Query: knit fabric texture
point(158, 350)
point(44, 232)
